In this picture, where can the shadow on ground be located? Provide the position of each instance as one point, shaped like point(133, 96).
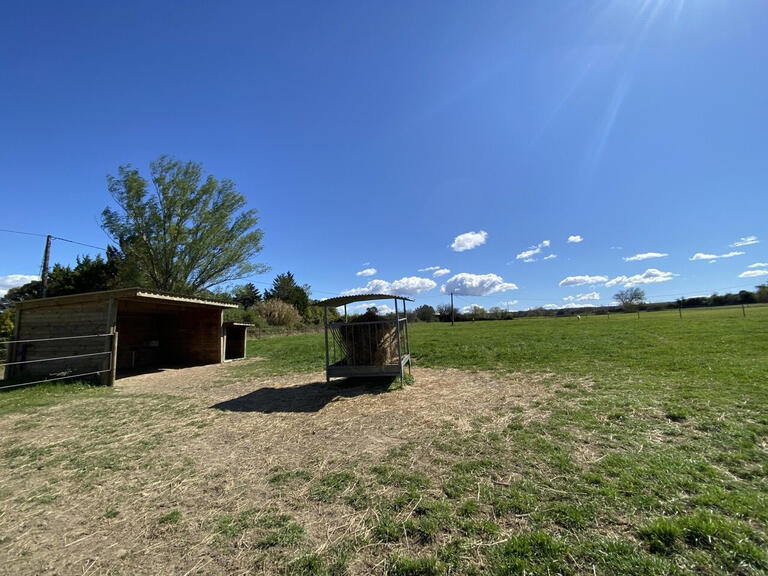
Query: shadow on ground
point(309, 397)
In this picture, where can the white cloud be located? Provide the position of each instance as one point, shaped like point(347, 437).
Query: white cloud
point(583, 297)
point(476, 284)
point(14, 281)
point(408, 286)
point(366, 272)
point(566, 306)
point(714, 257)
point(575, 239)
point(758, 265)
point(650, 276)
point(527, 255)
point(507, 303)
point(469, 240)
point(581, 280)
point(470, 308)
point(437, 271)
point(703, 256)
point(644, 256)
point(748, 241)
point(753, 273)
point(550, 257)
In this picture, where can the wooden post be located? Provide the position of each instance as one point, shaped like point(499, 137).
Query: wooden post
point(451, 308)
point(46, 260)
point(327, 357)
point(743, 310)
point(407, 340)
point(113, 360)
point(399, 344)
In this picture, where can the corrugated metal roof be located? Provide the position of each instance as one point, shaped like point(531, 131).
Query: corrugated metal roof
point(139, 293)
point(343, 300)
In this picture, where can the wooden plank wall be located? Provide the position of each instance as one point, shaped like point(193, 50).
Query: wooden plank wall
point(58, 321)
point(153, 334)
point(200, 337)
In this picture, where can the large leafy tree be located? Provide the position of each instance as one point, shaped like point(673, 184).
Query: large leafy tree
point(186, 234)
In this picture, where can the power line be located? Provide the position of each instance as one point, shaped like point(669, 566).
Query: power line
point(52, 238)
point(24, 233)
point(80, 243)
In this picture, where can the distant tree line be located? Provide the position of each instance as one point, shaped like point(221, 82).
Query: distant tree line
point(631, 300)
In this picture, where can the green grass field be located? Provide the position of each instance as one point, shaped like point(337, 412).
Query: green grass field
point(620, 445)
point(675, 412)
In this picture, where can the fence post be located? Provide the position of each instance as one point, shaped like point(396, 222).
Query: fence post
point(113, 360)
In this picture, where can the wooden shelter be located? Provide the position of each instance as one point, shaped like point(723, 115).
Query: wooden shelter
point(130, 329)
point(235, 339)
point(377, 347)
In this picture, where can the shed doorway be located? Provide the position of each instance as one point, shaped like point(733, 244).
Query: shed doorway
point(152, 335)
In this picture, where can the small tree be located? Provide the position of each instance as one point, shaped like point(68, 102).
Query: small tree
point(285, 288)
point(192, 233)
point(246, 295)
point(444, 312)
point(6, 324)
point(747, 297)
point(761, 293)
point(315, 314)
point(425, 313)
point(629, 297)
point(478, 312)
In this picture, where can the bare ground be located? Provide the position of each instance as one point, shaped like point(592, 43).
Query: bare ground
point(172, 473)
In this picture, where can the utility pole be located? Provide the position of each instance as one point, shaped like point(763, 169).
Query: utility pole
point(451, 308)
point(46, 259)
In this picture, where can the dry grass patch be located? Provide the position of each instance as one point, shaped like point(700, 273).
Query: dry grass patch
point(191, 471)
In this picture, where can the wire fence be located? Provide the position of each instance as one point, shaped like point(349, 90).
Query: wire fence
point(257, 332)
point(39, 360)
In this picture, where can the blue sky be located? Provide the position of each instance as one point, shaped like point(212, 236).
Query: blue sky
point(410, 138)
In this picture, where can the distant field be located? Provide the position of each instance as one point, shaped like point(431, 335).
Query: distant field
point(660, 343)
point(536, 446)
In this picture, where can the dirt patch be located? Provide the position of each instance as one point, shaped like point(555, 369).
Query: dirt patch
point(173, 473)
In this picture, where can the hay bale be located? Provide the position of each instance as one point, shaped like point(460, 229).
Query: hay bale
point(369, 344)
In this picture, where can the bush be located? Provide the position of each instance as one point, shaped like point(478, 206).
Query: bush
point(6, 323)
point(279, 313)
point(246, 316)
point(314, 314)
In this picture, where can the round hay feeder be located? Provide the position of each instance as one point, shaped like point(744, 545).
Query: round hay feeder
point(369, 345)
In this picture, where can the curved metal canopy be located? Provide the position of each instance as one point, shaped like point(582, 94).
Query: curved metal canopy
point(344, 300)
